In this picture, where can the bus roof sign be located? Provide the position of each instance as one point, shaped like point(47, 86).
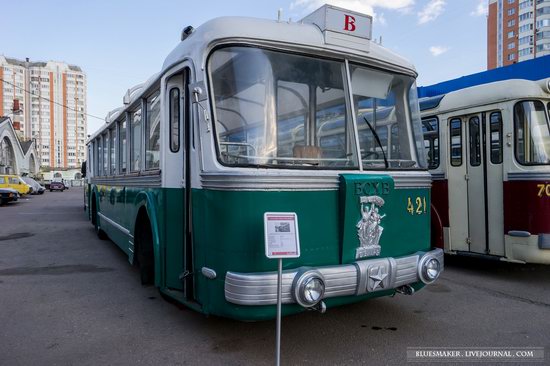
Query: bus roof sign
point(341, 26)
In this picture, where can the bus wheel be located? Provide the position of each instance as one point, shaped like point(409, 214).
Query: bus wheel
point(100, 233)
point(144, 250)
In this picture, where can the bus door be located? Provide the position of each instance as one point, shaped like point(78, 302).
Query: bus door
point(475, 183)
point(178, 254)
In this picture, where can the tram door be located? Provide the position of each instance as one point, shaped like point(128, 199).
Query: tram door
point(475, 183)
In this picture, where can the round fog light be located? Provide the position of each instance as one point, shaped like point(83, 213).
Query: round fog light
point(430, 268)
point(309, 289)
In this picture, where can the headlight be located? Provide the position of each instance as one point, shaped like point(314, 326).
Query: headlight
point(429, 269)
point(309, 288)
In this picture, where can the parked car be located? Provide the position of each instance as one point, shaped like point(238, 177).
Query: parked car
point(57, 186)
point(8, 195)
point(15, 182)
point(37, 188)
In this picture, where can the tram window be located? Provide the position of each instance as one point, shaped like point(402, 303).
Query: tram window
point(456, 142)
point(112, 150)
point(495, 129)
point(174, 119)
point(532, 136)
point(430, 127)
point(122, 145)
point(106, 154)
point(135, 141)
point(152, 132)
point(475, 141)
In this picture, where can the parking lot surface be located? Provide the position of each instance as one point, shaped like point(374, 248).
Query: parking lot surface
point(68, 298)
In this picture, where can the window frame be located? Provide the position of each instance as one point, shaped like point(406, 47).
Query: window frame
point(146, 126)
point(515, 130)
point(451, 141)
point(475, 148)
point(170, 124)
point(438, 138)
point(501, 139)
point(130, 162)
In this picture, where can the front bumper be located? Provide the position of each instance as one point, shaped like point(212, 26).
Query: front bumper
point(359, 278)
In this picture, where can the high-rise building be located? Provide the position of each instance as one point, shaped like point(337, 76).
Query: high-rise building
point(46, 102)
point(517, 30)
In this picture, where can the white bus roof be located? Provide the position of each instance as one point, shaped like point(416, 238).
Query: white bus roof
point(485, 94)
point(306, 36)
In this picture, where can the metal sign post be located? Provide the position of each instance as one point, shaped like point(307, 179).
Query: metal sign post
point(279, 315)
point(281, 241)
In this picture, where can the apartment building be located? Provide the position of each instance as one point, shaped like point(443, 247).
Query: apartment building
point(517, 30)
point(46, 102)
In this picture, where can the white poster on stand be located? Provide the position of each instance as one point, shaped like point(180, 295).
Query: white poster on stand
point(281, 235)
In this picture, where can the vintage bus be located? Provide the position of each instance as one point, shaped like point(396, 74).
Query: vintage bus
point(488, 149)
point(250, 116)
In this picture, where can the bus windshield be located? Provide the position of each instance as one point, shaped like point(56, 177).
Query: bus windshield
point(532, 136)
point(284, 110)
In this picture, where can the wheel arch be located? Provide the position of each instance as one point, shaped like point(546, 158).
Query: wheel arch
point(146, 209)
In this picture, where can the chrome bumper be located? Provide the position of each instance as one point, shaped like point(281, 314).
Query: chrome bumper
point(341, 280)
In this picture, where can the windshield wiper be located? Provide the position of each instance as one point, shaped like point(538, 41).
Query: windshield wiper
point(378, 141)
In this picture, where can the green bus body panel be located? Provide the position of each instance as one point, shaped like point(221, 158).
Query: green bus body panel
point(228, 233)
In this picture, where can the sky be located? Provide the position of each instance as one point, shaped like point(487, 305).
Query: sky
point(121, 43)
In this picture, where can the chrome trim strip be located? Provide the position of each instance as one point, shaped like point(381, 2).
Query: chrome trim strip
point(314, 181)
point(145, 181)
point(342, 280)
point(519, 233)
point(438, 176)
point(529, 175)
point(114, 224)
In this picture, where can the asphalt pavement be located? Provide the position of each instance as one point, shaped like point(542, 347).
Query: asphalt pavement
point(68, 298)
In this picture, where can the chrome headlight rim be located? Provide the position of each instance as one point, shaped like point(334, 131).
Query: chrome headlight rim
point(301, 279)
point(423, 269)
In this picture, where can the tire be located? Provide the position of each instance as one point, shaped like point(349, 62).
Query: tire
point(145, 253)
point(51, 190)
point(100, 233)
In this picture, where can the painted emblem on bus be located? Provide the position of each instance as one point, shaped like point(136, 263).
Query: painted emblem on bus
point(369, 229)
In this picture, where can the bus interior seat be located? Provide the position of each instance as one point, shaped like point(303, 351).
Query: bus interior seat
point(307, 152)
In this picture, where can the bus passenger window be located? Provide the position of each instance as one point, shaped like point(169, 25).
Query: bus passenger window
point(475, 143)
point(430, 127)
point(122, 147)
point(174, 119)
point(135, 134)
point(496, 137)
point(106, 154)
point(112, 150)
point(99, 156)
point(456, 142)
point(532, 137)
point(152, 132)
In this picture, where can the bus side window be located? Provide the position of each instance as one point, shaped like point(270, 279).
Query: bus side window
point(496, 137)
point(475, 142)
point(430, 127)
point(135, 140)
point(174, 120)
point(456, 141)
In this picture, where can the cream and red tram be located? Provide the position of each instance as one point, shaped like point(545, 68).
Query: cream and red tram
point(488, 150)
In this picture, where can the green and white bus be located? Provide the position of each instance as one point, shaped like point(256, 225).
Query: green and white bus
point(249, 116)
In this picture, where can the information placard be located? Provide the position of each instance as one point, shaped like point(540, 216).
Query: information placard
point(281, 235)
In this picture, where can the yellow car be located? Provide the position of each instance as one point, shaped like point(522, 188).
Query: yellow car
point(14, 182)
